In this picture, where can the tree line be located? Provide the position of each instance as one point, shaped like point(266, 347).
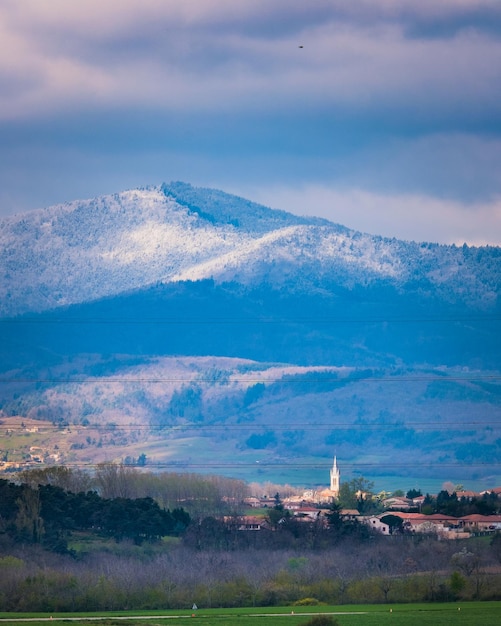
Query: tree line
point(124, 561)
point(48, 514)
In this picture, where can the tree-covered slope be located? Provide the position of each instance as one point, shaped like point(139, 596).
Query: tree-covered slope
point(86, 250)
point(205, 318)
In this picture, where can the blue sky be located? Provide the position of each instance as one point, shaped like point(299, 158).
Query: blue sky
point(382, 115)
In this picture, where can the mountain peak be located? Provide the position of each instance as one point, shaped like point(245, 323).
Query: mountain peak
point(320, 324)
point(89, 249)
point(219, 207)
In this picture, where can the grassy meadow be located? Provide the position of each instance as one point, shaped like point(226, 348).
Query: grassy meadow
point(440, 614)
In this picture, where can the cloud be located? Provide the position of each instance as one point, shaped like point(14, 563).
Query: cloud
point(216, 56)
point(404, 216)
point(458, 175)
point(396, 100)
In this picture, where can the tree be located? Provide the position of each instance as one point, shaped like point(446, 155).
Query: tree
point(69, 479)
point(347, 497)
point(333, 517)
point(429, 505)
point(466, 561)
point(413, 493)
point(277, 516)
point(29, 523)
point(469, 563)
point(357, 494)
point(447, 503)
point(385, 584)
point(394, 522)
point(457, 583)
point(115, 480)
point(9, 494)
point(208, 534)
point(496, 546)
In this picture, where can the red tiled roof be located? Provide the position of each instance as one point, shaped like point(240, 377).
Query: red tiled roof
point(405, 515)
point(420, 517)
point(476, 517)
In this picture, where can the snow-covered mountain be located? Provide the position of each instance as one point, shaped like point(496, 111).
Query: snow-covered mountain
point(171, 317)
point(86, 250)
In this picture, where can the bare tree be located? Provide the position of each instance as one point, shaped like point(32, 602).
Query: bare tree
point(74, 480)
point(116, 480)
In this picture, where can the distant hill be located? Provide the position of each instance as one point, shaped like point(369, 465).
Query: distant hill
point(195, 318)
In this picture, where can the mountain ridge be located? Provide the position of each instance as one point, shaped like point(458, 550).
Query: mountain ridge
point(206, 321)
point(91, 249)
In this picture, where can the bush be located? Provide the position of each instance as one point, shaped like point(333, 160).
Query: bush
point(321, 620)
point(307, 602)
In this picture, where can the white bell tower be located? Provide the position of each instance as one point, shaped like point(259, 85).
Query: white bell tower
point(335, 477)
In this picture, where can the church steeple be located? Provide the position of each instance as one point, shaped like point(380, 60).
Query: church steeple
point(335, 476)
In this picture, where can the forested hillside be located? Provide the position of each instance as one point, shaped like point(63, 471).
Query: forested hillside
point(201, 330)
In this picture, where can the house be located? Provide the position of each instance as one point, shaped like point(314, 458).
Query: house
point(447, 526)
point(495, 490)
point(467, 495)
point(376, 524)
point(248, 522)
point(36, 454)
point(418, 501)
point(349, 514)
point(418, 522)
point(253, 502)
point(293, 504)
point(398, 503)
point(307, 514)
point(480, 523)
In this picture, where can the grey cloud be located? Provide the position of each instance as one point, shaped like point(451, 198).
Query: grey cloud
point(460, 167)
point(385, 95)
point(364, 70)
point(178, 56)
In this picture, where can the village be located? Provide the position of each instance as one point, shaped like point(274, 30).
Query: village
point(398, 514)
point(386, 513)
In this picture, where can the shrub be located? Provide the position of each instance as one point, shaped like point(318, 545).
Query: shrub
point(307, 602)
point(321, 620)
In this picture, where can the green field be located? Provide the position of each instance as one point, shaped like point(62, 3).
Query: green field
point(468, 613)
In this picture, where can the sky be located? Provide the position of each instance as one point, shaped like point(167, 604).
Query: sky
point(381, 115)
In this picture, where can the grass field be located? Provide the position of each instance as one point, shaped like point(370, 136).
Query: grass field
point(468, 613)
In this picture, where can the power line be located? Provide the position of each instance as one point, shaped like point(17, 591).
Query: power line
point(249, 320)
point(283, 464)
point(434, 426)
point(287, 378)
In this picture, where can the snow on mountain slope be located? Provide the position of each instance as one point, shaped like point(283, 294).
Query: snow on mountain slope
point(142, 391)
point(86, 250)
point(368, 337)
point(90, 249)
point(277, 255)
